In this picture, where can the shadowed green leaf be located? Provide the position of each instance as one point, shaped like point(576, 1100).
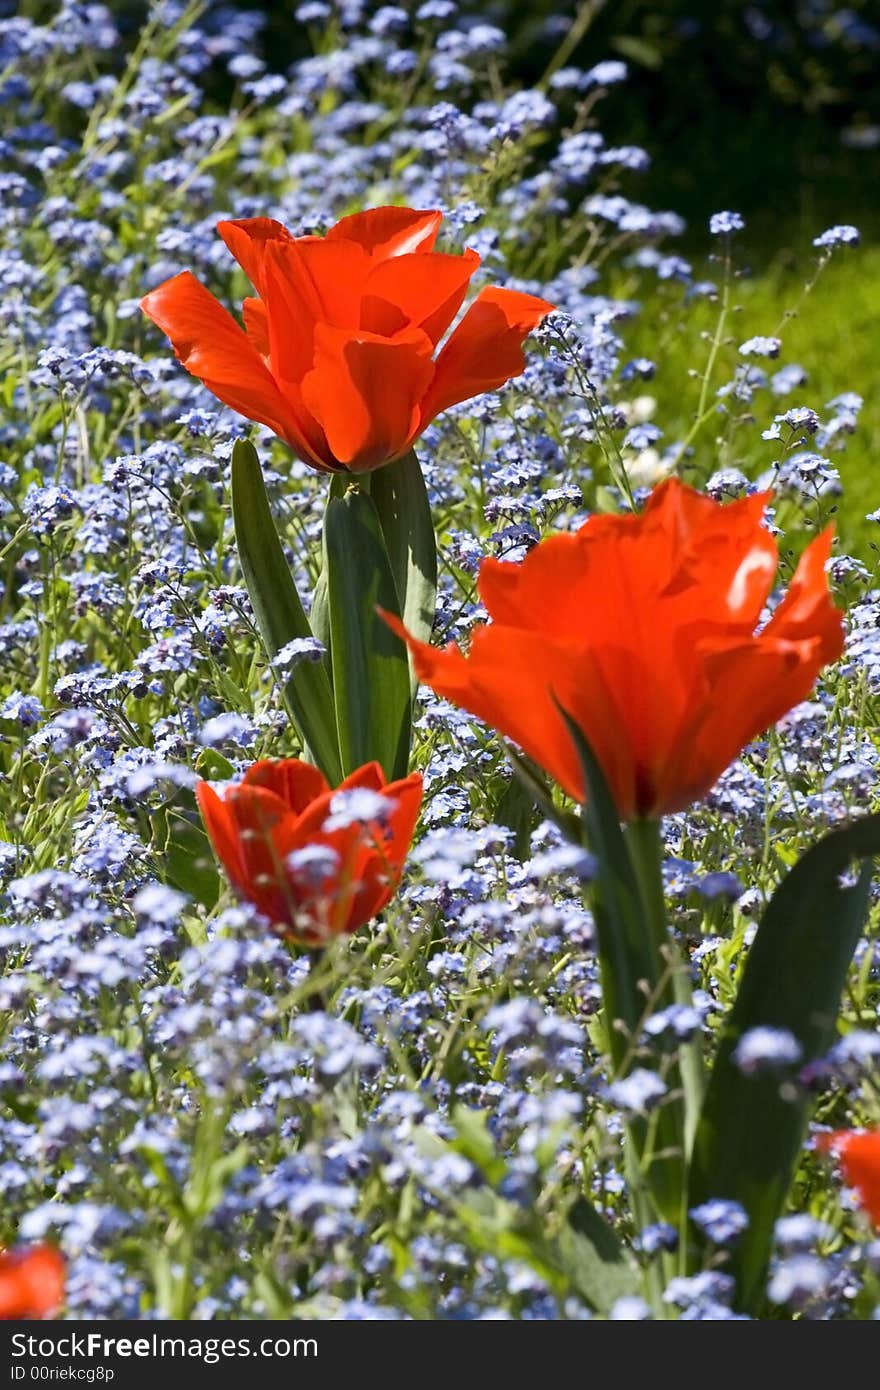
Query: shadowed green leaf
point(279, 611)
point(370, 668)
point(636, 980)
point(531, 780)
point(752, 1127)
point(401, 500)
point(188, 858)
point(319, 613)
point(594, 1259)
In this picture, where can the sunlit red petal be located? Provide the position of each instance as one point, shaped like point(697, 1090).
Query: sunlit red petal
point(485, 350)
point(365, 391)
point(311, 821)
point(723, 559)
point(282, 806)
point(261, 818)
point(376, 853)
point(513, 679)
point(807, 611)
point(31, 1282)
point(642, 628)
point(223, 833)
point(422, 290)
point(212, 346)
point(389, 231)
point(248, 238)
point(749, 684)
point(256, 325)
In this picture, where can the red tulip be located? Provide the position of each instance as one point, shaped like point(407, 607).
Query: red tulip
point(31, 1282)
point(858, 1153)
point(337, 351)
point(314, 861)
point(643, 629)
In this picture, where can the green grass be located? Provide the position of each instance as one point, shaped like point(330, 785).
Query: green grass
point(833, 331)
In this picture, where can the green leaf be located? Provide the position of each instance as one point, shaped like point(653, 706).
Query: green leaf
point(752, 1127)
point(319, 616)
point(627, 950)
point(636, 980)
point(189, 859)
point(639, 50)
point(279, 611)
point(213, 767)
point(370, 669)
point(401, 500)
point(475, 1143)
point(594, 1259)
point(319, 613)
point(511, 805)
point(530, 779)
point(189, 862)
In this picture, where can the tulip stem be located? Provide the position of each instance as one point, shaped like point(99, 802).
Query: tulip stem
point(646, 851)
point(316, 999)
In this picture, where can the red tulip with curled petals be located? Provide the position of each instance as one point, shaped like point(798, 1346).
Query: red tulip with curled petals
point(318, 862)
point(858, 1154)
point(645, 630)
point(31, 1282)
point(337, 352)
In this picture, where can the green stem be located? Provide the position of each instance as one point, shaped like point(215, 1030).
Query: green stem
point(645, 846)
point(646, 850)
point(316, 1000)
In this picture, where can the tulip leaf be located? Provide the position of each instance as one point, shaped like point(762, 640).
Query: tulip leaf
point(279, 611)
point(370, 668)
point(319, 614)
point(594, 1259)
point(626, 948)
point(752, 1126)
point(531, 780)
point(401, 500)
point(188, 859)
point(636, 980)
point(511, 805)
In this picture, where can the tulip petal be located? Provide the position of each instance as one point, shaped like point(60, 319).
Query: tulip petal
point(748, 684)
point(297, 784)
point(371, 856)
point(248, 239)
point(544, 675)
point(370, 776)
point(807, 609)
point(858, 1153)
point(722, 559)
point(642, 629)
point(211, 346)
point(256, 325)
point(31, 1282)
point(407, 796)
point(424, 290)
point(339, 271)
point(718, 570)
point(485, 350)
point(293, 308)
point(222, 833)
point(307, 283)
point(389, 231)
point(246, 825)
point(365, 391)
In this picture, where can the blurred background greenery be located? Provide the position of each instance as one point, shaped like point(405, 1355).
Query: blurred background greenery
point(768, 107)
point(771, 107)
